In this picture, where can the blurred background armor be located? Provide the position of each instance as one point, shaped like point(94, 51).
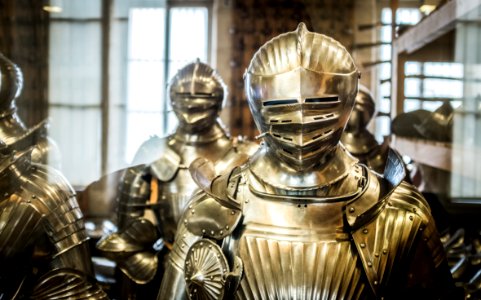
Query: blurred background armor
point(160, 185)
point(358, 140)
point(12, 129)
point(44, 252)
point(302, 219)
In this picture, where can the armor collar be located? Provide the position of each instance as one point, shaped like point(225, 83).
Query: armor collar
point(271, 171)
point(359, 143)
point(213, 133)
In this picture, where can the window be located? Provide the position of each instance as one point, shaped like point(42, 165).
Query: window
point(404, 16)
point(108, 72)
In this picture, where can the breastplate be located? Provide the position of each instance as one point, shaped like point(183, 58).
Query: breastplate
point(293, 250)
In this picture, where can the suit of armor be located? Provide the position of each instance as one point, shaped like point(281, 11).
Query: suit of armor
point(162, 185)
point(43, 244)
point(12, 129)
point(358, 140)
point(302, 219)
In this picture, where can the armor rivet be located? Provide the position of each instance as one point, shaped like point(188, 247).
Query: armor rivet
point(33, 196)
point(421, 228)
point(376, 283)
point(5, 195)
point(212, 232)
point(195, 290)
point(218, 255)
point(210, 247)
point(384, 251)
point(225, 270)
point(185, 221)
point(232, 212)
point(389, 203)
point(221, 232)
point(351, 209)
point(376, 254)
point(247, 201)
point(411, 218)
point(369, 264)
point(185, 235)
point(211, 277)
point(182, 246)
point(364, 231)
point(193, 211)
point(414, 210)
point(203, 230)
point(202, 243)
point(363, 245)
point(227, 227)
point(190, 206)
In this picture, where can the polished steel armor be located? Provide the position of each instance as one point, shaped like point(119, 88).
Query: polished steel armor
point(44, 252)
point(12, 129)
point(159, 188)
point(302, 219)
point(356, 137)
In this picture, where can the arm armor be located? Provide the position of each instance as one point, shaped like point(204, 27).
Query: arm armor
point(212, 215)
point(395, 236)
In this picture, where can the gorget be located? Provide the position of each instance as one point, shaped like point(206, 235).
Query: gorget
point(274, 173)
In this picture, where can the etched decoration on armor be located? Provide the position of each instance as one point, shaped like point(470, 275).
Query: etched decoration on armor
point(13, 131)
point(44, 252)
point(302, 217)
point(205, 271)
point(356, 137)
point(159, 187)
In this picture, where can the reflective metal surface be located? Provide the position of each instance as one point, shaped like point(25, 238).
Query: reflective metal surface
point(356, 137)
point(12, 129)
point(160, 186)
point(319, 226)
point(42, 234)
point(301, 87)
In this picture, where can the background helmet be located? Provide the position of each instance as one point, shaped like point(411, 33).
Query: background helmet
point(197, 94)
point(11, 83)
point(301, 88)
point(363, 111)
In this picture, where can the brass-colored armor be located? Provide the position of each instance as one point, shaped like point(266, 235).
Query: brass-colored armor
point(44, 252)
point(13, 131)
point(356, 137)
point(160, 187)
point(302, 219)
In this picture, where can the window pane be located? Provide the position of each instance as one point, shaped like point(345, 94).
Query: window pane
point(74, 74)
point(145, 77)
point(188, 36)
point(79, 9)
point(77, 133)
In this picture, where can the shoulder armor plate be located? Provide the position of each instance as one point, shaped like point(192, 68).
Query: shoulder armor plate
point(379, 188)
point(166, 166)
point(217, 213)
point(386, 241)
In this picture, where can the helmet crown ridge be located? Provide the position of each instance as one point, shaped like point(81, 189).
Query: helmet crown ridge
point(301, 48)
